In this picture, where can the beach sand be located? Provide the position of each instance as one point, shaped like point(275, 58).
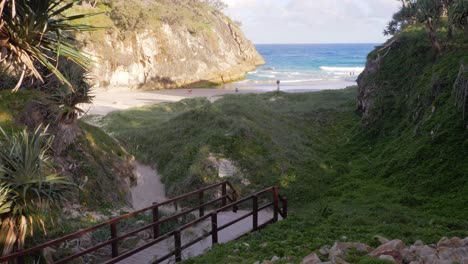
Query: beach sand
point(115, 99)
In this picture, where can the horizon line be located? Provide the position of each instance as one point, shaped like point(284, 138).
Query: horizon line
point(324, 43)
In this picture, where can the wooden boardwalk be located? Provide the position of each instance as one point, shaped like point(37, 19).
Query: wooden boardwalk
point(230, 233)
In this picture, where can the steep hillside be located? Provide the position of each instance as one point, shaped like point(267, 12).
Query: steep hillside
point(166, 44)
point(100, 167)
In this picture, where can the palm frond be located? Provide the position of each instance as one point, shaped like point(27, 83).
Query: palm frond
point(38, 31)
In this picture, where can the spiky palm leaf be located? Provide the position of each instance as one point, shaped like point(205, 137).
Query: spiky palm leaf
point(5, 201)
point(458, 14)
point(34, 31)
point(32, 188)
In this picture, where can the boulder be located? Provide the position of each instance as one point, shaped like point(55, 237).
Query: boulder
point(465, 242)
point(391, 248)
point(418, 243)
point(325, 250)
point(433, 259)
point(408, 256)
point(459, 254)
point(311, 259)
point(275, 258)
point(423, 251)
point(340, 249)
point(453, 243)
point(387, 258)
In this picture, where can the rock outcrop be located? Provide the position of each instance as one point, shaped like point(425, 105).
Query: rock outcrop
point(173, 55)
point(368, 85)
point(447, 251)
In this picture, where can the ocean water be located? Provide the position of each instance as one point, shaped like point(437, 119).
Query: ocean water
point(309, 66)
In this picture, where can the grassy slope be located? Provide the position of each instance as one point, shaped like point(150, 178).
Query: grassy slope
point(404, 176)
point(271, 137)
point(95, 154)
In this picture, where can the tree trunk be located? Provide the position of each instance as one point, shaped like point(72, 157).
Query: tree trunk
point(450, 31)
point(67, 131)
point(433, 36)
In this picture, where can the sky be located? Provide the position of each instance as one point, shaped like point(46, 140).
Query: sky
point(312, 21)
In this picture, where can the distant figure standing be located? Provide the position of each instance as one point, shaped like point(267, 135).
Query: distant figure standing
point(237, 90)
point(278, 84)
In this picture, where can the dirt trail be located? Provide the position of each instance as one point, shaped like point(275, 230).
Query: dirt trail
point(149, 188)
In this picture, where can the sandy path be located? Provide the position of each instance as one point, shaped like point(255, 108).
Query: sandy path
point(149, 188)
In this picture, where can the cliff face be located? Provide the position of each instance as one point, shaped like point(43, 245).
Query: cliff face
point(174, 55)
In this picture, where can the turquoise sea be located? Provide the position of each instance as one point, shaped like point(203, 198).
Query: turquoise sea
point(309, 66)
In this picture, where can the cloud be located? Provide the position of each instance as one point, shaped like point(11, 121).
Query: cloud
point(312, 21)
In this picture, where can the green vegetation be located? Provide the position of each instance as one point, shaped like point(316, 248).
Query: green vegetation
point(138, 15)
point(12, 105)
point(430, 13)
point(268, 135)
point(103, 169)
point(32, 31)
point(28, 185)
point(95, 163)
point(401, 172)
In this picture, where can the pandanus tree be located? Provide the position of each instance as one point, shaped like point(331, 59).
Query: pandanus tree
point(37, 33)
point(29, 187)
point(428, 13)
point(401, 19)
point(37, 40)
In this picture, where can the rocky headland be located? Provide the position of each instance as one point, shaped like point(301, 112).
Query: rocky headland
point(202, 49)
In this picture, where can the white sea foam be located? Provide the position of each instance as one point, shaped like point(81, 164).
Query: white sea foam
point(342, 69)
point(266, 75)
point(300, 81)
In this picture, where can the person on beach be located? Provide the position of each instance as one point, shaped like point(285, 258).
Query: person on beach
point(237, 90)
point(278, 84)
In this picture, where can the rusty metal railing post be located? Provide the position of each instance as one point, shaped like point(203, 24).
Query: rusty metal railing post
point(201, 211)
point(284, 203)
point(224, 193)
point(178, 246)
point(214, 228)
point(234, 197)
point(155, 219)
point(115, 244)
point(275, 204)
point(255, 212)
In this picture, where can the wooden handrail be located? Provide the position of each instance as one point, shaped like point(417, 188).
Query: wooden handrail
point(177, 253)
